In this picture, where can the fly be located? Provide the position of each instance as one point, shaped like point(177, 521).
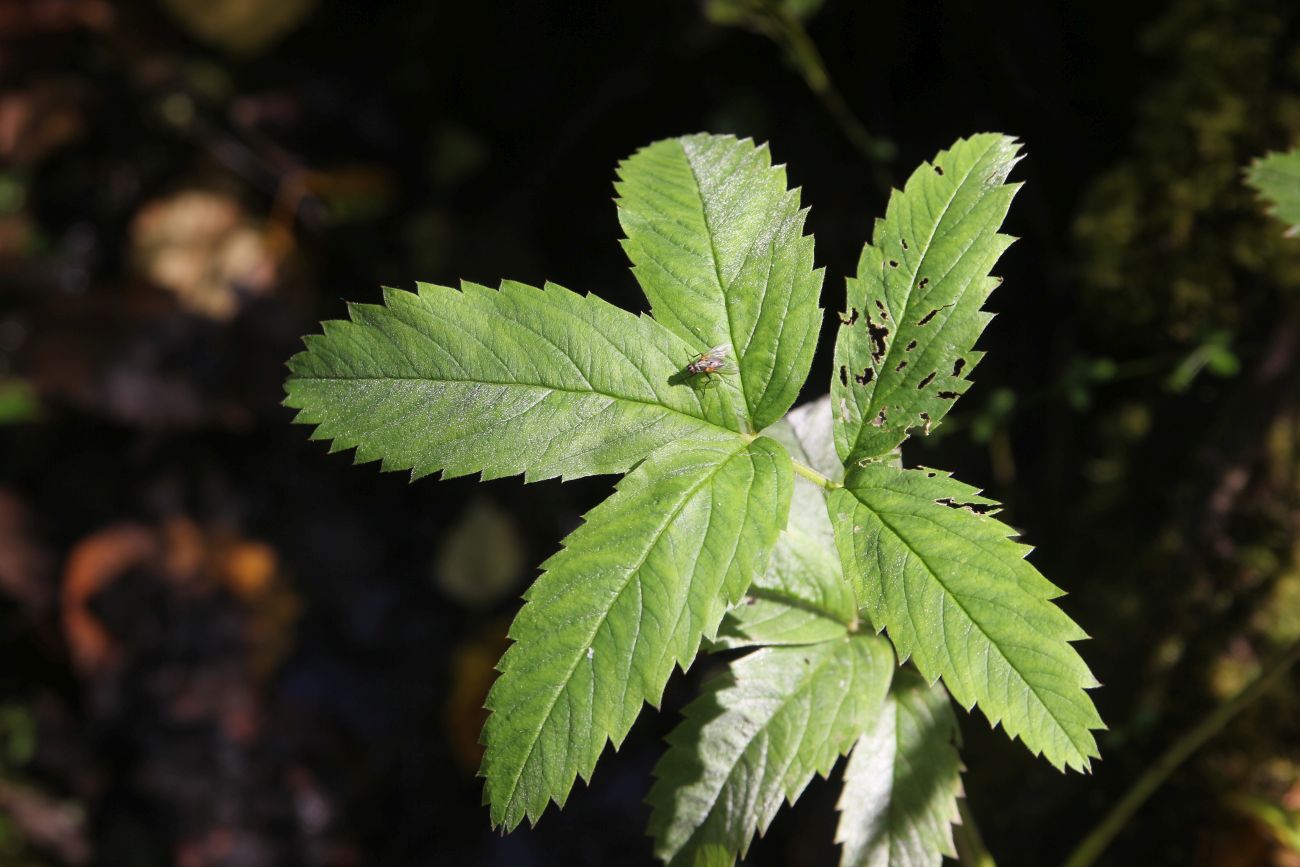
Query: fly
point(708, 364)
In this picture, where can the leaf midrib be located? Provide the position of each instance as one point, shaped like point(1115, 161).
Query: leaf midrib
point(517, 383)
point(717, 271)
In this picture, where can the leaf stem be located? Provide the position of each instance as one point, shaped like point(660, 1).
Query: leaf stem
point(1101, 836)
point(815, 477)
point(970, 845)
point(785, 29)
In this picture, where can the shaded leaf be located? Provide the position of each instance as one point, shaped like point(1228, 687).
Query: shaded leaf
point(631, 594)
point(802, 598)
point(904, 350)
point(901, 784)
point(755, 738)
point(716, 242)
point(956, 596)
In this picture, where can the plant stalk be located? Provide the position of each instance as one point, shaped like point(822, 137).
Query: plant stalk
point(786, 30)
point(970, 845)
point(815, 477)
point(1104, 834)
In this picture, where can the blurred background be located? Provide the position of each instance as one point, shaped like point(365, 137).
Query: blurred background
point(221, 646)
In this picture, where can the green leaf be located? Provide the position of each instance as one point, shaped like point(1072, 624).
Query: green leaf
point(631, 594)
point(902, 782)
point(755, 738)
point(716, 242)
point(914, 311)
point(941, 575)
point(1277, 179)
point(544, 382)
point(802, 598)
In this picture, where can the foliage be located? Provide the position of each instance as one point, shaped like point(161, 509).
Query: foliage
point(902, 781)
point(1277, 179)
point(550, 383)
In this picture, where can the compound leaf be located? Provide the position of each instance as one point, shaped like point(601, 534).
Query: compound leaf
point(1277, 179)
point(716, 242)
point(902, 781)
point(914, 311)
point(753, 740)
point(955, 594)
point(631, 594)
point(543, 382)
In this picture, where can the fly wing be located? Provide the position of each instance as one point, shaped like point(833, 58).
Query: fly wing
point(717, 360)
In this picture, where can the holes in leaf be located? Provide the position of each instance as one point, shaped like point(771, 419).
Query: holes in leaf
point(900, 366)
point(958, 366)
point(931, 475)
point(911, 344)
point(925, 281)
point(879, 420)
point(928, 379)
point(977, 508)
point(938, 169)
point(878, 333)
point(884, 314)
point(865, 377)
point(844, 375)
point(948, 395)
point(933, 313)
point(853, 317)
point(893, 263)
point(903, 241)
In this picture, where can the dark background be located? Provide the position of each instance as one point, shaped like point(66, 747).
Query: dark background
point(220, 645)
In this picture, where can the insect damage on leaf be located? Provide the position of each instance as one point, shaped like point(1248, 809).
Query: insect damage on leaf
point(920, 285)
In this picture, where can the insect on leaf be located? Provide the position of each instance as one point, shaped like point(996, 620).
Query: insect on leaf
point(905, 345)
point(716, 242)
point(543, 382)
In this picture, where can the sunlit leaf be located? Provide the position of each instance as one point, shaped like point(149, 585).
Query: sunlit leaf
point(631, 595)
point(716, 240)
point(541, 382)
point(914, 312)
point(939, 573)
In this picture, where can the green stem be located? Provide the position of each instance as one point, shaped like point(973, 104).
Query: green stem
point(970, 845)
point(785, 29)
point(1100, 837)
point(813, 476)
